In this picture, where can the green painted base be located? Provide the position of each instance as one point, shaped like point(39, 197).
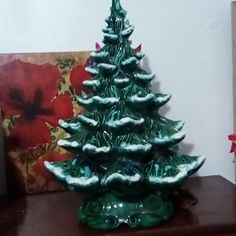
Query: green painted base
point(109, 211)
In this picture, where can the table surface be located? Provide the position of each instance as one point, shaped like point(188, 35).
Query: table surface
point(54, 214)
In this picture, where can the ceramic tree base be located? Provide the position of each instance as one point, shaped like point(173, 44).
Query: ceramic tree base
point(109, 211)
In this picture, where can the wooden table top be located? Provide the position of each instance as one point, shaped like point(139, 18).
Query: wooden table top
point(54, 214)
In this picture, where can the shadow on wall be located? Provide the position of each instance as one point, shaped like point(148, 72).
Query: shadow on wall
point(155, 84)
point(186, 148)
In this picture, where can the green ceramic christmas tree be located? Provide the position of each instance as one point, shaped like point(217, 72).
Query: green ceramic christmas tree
point(126, 155)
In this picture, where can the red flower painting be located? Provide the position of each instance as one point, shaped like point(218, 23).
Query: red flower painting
point(232, 138)
point(29, 92)
point(77, 76)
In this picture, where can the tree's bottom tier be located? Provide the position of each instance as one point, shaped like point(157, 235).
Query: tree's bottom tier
point(107, 211)
point(123, 176)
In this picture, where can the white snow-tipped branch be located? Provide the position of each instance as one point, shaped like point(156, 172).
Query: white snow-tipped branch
point(71, 125)
point(162, 99)
point(138, 99)
point(193, 165)
point(140, 55)
point(144, 77)
point(91, 83)
point(180, 125)
point(107, 100)
point(81, 181)
point(108, 30)
point(98, 100)
point(94, 149)
point(121, 81)
point(85, 101)
point(184, 170)
point(128, 31)
point(124, 121)
point(118, 176)
point(89, 121)
point(130, 61)
point(99, 54)
point(136, 147)
point(167, 180)
point(65, 143)
point(91, 70)
point(107, 67)
point(112, 37)
point(175, 138)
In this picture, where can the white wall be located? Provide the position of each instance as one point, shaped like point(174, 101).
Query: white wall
point(187, 43)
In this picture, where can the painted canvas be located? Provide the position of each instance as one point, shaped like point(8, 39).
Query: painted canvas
point(37, 90)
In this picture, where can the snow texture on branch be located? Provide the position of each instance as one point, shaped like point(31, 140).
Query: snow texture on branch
point(130, 61)
point(108, 30)
point(98, 100)
point(162, 99)
point(88, 121)
point(107, 67)
point(128, 31)
point(122, 81)
point(91, 70)
point(65, 143)
point(136, 98)
point(111, 37)
point(91, 83)
point(139, 55)
point(94, 149)
point(184, 171)
point(124, 121)
point(100, 55)
point(179, 125)
point(65, 124)
point(170, 138)
point(81, 181)
point(135, 147)
point(123, 178)
point(144, 77)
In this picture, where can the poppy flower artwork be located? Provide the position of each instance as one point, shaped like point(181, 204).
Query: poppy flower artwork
point(77, 76)
point(232, 139)
point(37, 90)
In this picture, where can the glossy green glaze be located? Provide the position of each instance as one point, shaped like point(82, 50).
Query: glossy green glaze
point(125, 152)
point(109, 211)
